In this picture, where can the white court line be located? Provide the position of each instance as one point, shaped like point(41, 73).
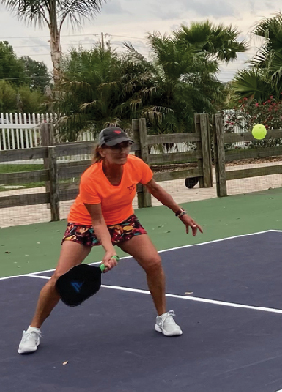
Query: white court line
point(160, 251)
point(189, 298)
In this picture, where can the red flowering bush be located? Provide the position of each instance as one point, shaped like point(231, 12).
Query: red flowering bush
point(249, 112)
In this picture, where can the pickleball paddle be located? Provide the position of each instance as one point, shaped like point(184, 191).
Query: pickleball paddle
point(80, 283)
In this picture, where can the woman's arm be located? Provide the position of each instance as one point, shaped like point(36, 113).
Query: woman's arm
point(159, 193)
point(102, 233)
point(166, 199)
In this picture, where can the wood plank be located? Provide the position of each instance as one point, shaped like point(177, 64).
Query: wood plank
point(24, 177)
point(247, 136)
point(145, 197)
point(177, 174)
point(46, 134)
point(69, 186)
point(253, 172)
point(197, 127)
point(135, 147)
point(261, 152)
point(23, 154)
point(69, 194)
point(64, 164)
point(77, 148)
point(136, 138)
point(69, 149)
point(274, 134)
point(175, 157)
point(69, 171)
point(173, 138)
point(54, 191)
point(143, 140)
point(138, 153)
point(18, 126)
point(206, 150)
point(219, 155)
point(24, 200)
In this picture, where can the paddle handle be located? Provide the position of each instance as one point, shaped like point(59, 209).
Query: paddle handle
point(103, 267)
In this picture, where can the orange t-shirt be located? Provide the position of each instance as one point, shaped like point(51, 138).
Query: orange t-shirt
point(115, 200)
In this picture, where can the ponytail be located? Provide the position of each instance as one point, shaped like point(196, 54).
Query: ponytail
point(96, 155)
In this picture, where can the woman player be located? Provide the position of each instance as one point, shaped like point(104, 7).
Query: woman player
point(102, 214)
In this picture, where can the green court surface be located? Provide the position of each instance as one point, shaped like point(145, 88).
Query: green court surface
point(25, 249)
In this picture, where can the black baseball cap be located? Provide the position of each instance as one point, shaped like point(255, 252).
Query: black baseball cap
point(113, 135)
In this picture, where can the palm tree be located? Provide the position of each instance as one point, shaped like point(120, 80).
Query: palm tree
point(185, 81)
point(53, 13)
point(180, 79)
point(264, 77)
point(217, 41)
point(252, 83)
point(269, 56)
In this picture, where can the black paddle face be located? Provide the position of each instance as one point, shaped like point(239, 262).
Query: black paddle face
point(78, 284)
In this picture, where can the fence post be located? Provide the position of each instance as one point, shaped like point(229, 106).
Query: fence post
point(199, 146)
point(219, 155)
point(46, 137)
point(140, 136)
point(54, 184)
point(46, 134)
point(206, 150)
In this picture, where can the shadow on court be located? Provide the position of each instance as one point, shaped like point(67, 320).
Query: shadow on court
point(109, 343)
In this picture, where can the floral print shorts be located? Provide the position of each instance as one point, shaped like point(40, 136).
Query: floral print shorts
point(121, 232)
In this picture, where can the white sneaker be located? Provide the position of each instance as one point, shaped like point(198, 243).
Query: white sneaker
point(30, 341)
point(166, 325)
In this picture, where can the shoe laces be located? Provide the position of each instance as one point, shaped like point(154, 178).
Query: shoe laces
point(169, 314)
point(168, 317)
point(28, 335)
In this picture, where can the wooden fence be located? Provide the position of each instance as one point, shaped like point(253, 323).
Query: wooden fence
point(62, 178)
point(223, 156)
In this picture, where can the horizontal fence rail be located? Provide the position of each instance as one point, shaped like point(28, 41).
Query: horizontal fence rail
point(253, 172)
point(25, 154)
point(260, 152)
point(173, 138)
point(247, 136)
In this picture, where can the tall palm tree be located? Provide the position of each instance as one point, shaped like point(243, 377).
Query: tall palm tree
point(53, 13)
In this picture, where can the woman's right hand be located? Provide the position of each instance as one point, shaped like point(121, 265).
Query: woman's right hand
point(109, 260)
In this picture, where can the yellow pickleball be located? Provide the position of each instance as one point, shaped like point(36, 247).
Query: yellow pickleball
point(259, 131)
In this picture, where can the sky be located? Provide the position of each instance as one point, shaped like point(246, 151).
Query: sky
point(132, 20)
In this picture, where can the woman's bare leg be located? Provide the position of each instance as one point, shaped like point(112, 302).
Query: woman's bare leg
point(72, 253)
point(144, 252)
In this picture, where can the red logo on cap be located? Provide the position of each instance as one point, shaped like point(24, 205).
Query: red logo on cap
point(117, 131)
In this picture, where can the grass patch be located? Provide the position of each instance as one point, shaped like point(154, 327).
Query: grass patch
point(33, 185)
point(20, 167)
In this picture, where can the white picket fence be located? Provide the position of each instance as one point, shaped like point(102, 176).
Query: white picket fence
point(22, 130)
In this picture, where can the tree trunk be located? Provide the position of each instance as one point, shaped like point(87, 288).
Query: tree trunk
point(55, 45)
point(55, 51)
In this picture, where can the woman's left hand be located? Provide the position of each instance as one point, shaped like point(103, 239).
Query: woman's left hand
point(188, 221)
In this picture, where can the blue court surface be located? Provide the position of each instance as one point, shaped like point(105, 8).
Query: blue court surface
point(227, 297)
